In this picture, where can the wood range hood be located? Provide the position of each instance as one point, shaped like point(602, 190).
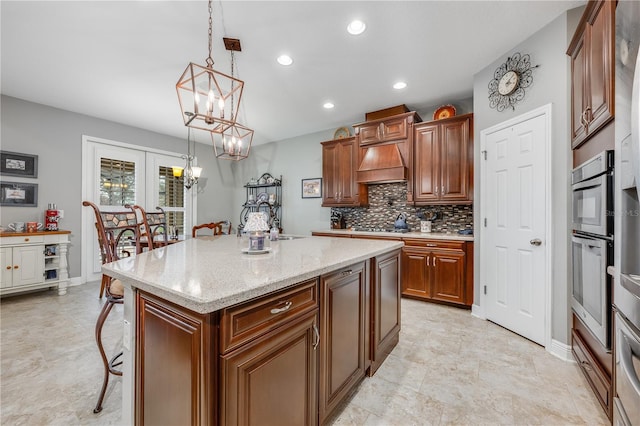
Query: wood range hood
point(385, 146)
point(382, 164)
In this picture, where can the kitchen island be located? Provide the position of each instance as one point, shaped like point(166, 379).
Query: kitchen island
point(216, 336)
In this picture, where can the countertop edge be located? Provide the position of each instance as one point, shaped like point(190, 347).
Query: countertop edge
point(406, 235)
point(208, 306)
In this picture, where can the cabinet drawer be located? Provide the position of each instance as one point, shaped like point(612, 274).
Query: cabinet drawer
point(244, 322)
point(435, 244)
point(592, 370)
point(9, 241)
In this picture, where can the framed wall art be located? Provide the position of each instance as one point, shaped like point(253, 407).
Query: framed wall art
point(312, 188)
point(16, 164)
point(18, 194)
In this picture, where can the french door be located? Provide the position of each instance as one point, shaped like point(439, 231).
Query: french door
point(116, 174)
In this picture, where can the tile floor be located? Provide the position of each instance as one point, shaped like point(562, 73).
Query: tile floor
point(449, 368)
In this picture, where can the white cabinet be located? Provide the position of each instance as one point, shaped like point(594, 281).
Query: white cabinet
point(34, 261)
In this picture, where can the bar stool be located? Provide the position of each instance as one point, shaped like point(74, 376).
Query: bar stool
point(113, 229)
point(216, 227)
point(153, 232)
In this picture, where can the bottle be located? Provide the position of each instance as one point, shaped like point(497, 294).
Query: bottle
point(273, 234)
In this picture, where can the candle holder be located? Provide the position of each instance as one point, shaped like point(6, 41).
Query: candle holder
point(256, 227)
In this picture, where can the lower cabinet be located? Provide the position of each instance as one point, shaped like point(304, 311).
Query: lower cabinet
point(344, 328)
point(287, 358)
point(385, 307)
point(176, 364)
point(438, 270)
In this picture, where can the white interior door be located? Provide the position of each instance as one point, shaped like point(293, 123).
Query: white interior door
point(513, 244)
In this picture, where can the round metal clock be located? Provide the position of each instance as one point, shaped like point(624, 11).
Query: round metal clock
point(509, 81)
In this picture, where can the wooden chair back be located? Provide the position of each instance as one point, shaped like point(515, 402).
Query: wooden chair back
point(115, 229)
point(153, 227)
point(217, 228)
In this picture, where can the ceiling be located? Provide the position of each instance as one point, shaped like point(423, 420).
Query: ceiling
point(120, 60)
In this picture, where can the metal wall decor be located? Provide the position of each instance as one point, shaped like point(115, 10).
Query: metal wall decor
point(509, 81)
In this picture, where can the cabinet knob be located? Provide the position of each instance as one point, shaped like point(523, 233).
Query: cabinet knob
point(16, 267)
point(8, 267)
point(26, 239)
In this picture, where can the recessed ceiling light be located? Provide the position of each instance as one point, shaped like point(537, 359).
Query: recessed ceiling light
point(328, 105)
point(400, 85)
point(356, 27)
point(285, 60)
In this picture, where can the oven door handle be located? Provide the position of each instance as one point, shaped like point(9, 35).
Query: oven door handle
point(626, 352)
point(588, 184)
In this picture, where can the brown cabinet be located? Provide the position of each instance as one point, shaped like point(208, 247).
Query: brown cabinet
point(592, 53)
point(176, 361)
point(339, 164)
point(438, 270)
point(443, 161)
point(344, 328)
point(269, 359)
point(273, 379)
point(385, 308)
point(385, 130)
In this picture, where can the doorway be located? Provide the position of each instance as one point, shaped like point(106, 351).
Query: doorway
point(115, 174)
point(515, 257)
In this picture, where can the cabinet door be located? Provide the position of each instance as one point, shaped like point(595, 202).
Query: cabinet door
point(426, 163)
point(6, 263)
point(347, 164)
point(578, 96)
point(394, 129)
point(343, 330)
point(600, 65)
point(385, 306)
point(28, 264)
point(330, 174)
point(369, 134)
point(174, 362)
point(455, 150)
point(448, 276)
point(273, 379)
point(415, 275)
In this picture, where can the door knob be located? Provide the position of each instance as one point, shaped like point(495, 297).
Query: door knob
point(535, 242)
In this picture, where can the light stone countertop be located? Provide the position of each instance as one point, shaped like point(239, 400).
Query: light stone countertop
point(421, 235)
point(210, 273)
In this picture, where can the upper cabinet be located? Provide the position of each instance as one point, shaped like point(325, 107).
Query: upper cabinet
point(592, 53)
point(443, 161)
point(386, 130)
point(339, 163)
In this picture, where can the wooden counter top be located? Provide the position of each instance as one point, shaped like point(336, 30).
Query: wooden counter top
point(28, 234)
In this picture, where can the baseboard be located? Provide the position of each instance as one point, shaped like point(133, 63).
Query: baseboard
point(75, 281)
point(478, 311)
point(560, 350)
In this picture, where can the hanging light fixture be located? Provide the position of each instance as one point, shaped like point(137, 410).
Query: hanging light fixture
point(234, 141)
point(189, 173)
point(208, 99)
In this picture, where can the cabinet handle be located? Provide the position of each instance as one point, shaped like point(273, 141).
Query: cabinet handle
point(431, 245)
point(436, 191)
point(16, 267)
point(428, 262)
point(442, 190)
point(336, 197)
point(286, 307)
point(582, 120)
point(316, 337)
point(345, 273)
point(586, 365)
point(588, 117)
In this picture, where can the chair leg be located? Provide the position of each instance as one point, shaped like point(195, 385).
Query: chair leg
point(105, 282)
point(108, 364)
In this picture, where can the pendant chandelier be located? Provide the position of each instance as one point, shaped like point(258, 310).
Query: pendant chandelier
point(209, 99)
point(189, 173)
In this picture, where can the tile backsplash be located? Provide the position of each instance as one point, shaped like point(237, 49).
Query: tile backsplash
point(388, 200)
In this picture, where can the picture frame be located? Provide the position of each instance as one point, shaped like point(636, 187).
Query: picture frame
point(18, 164)
point(312, 188)
point(18, 194)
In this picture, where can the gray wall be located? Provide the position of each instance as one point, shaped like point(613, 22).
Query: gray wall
point(550, 85)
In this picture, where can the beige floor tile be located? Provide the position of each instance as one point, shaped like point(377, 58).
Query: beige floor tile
point(449, 368)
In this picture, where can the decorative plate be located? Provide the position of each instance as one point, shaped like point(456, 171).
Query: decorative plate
point(262, 197)
point(444, 111)
point(250, 251)
point(341, 133)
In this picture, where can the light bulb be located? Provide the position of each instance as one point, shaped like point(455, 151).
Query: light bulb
point(196, 101)
point(196, 171)
point(210, 100)
point(221, 103)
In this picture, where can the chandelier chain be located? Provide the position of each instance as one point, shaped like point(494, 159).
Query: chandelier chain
point(209, 60)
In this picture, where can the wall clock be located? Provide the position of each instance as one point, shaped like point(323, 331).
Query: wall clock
point(509, 81)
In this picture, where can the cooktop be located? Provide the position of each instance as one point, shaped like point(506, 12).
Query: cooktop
point(401, 230)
